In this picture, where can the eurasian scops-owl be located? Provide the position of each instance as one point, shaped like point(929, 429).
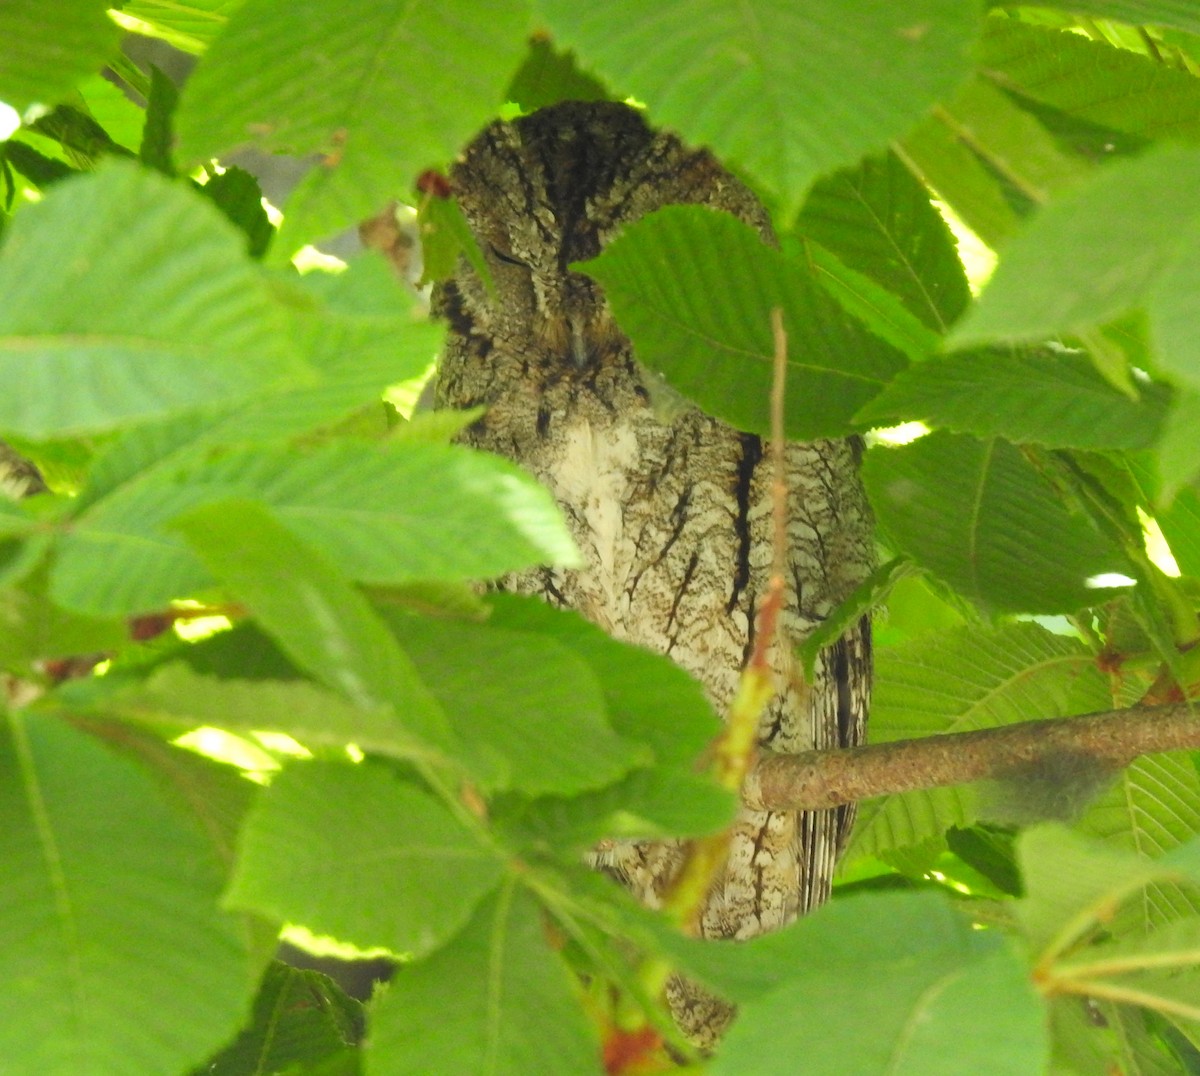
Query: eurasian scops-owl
point(671, 508)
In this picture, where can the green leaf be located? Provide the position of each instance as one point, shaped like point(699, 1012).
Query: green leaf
point(50, 45)
point(1178, 13)
point(878, 219)
point(408, 512)
point(1106, 490)
point(155, 149)
point(318, 619)
point(649, 699)
point(942, 999)
point(109, 106)
point(940, 158)
point(435, 427)
point(866, 597)
point(1073, 886)
point(235, 192)
point(1152, 807)
point(401, 89)
point(1178, 454)
point(957, 681)
point(1176, 945)
point(212, 796)
point(444, 236)
point(385, 514)
point(22, 548)
point(706, 324)
point(915, 606)
point(125, 297)
point(497, 1000)
point(190, 26)
point(876, 307)
point(648, 804)
point(1127, 237)
point(990, 853)
point(1052, 398)
point(549, 75)
point(40, 170)
point(1172, 310)
point(1010, 141)
point(725, 74)
point(32, 629)
point(500, 689)
point(300, 1018)
point(350, 330)
point(100, 872)
point(80, 138)
point(1091, 80)
point(507, 690)
point(1125, 1042)
point(977, 514)
point(1180, 525)
point(326, 834)
point(179, 698)
point(972, 678)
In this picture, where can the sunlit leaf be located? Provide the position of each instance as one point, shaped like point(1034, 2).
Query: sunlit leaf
point(125, 297)
point(978, 515)
point(49, 46)
point(318, 619)
point(706, 325)
point(190, 25)
point(401, 88)
point(101, 871)
point(727, 75)
point(1052, 398)
point(878, 219)
point(1104, 247)
point(326, 833)
point(1093, 81)
point(497, 999)
point(940, 999)
point(974, 191)
point(385, 514)
point(177, 697)
point(1178, 13)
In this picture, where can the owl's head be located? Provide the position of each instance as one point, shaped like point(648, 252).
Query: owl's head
point(553, 188)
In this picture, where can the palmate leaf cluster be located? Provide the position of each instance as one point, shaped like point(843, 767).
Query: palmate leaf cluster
point(211, 427)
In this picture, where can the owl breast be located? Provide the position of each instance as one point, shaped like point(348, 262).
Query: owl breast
point(670, 507)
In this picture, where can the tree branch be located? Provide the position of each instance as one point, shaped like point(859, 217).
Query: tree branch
point(819, 779)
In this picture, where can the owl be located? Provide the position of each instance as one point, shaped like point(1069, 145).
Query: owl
point(670, 507)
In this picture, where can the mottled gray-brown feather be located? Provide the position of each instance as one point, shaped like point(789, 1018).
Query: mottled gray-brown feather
point(670, 507)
